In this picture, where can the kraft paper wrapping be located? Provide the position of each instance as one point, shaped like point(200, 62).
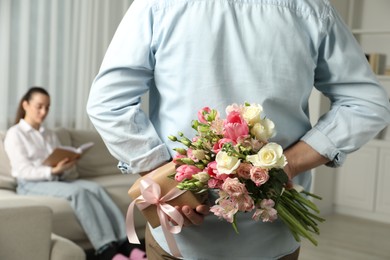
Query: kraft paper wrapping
point(160, 176)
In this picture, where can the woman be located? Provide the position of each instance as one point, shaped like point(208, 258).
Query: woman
point(28, 143)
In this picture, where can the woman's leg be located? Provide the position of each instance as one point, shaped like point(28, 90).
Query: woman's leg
point(117, 220)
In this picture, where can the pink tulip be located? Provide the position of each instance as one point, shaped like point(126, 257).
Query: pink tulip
point(202, 114)
point(185, 172)
point(235, 126)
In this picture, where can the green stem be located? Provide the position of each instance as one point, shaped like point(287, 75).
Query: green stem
point(303, 218)
point(234, 224)
point(303, 200)
point(286, 216)
point(312, 195)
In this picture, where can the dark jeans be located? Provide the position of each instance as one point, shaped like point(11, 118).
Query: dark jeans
point(155, 252)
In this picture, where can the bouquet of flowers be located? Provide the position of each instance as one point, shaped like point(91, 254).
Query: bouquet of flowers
point(234, 157)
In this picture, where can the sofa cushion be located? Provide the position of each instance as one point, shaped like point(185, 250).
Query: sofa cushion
point(65, 140)
point(8, 183)
point(64, 136)
point(6, 179)
point(97, 161)
point(5, 168)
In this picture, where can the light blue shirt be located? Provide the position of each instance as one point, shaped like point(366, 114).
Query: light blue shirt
point(193, 53)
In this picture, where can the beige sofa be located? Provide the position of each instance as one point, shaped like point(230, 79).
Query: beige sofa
point(26, 233)
point(95, 165)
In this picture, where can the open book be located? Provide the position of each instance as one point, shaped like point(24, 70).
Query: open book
point(63, 152)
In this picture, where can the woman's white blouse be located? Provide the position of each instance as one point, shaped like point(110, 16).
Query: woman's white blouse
point(26, 148)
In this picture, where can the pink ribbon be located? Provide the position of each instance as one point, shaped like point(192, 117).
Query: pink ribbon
point(151, 195)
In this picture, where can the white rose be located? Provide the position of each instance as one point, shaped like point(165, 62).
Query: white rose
point(270, 156)
point(252, 114)
point(225, 163)
point(263, 130)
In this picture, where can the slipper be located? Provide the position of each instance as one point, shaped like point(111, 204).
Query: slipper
point(137, 254)
point(120, 257)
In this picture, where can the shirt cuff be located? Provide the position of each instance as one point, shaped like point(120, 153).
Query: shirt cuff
point(49, 176)
point(323, 145)
point(150, 161)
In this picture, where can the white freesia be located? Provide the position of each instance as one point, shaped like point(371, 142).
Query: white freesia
point(201, 176)
point(199, 154)
point(226, 164)
point(252, 114)
point(270, 156)
point(263, 130)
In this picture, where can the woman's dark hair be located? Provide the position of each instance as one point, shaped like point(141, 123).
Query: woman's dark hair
point(20, 113)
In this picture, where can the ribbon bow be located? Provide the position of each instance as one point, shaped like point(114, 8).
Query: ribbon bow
point(151, 195)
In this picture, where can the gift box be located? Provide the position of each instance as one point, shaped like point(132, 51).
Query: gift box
point(160, 176)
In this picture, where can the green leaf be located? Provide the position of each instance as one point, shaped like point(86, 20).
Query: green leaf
point(279, 174)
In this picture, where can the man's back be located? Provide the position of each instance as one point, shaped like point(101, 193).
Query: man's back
point(194, 53)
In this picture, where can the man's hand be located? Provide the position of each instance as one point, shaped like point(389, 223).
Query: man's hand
point(300, 158)
point(194, 216)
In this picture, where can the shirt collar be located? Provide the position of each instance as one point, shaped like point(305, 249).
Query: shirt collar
point(27, 127)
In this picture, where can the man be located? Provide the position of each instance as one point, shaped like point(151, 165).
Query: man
point(188, 54)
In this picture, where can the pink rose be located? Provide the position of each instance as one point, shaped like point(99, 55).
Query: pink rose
point(234, 187)
point(185, 172)
point(243, 171)
point(218, 146)
point(259, 176)
point(235, 126)
point(202, 115)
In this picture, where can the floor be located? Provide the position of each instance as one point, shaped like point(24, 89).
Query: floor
point(348, 238)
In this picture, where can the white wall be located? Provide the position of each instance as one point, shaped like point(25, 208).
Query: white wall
point(58, 45)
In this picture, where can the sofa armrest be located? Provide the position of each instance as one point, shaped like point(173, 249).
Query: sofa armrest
point(64, 249)
point(7, 193)
point(25, 230)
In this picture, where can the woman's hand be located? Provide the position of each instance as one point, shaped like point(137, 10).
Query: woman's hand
point(62, 166)
point(194, 216)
